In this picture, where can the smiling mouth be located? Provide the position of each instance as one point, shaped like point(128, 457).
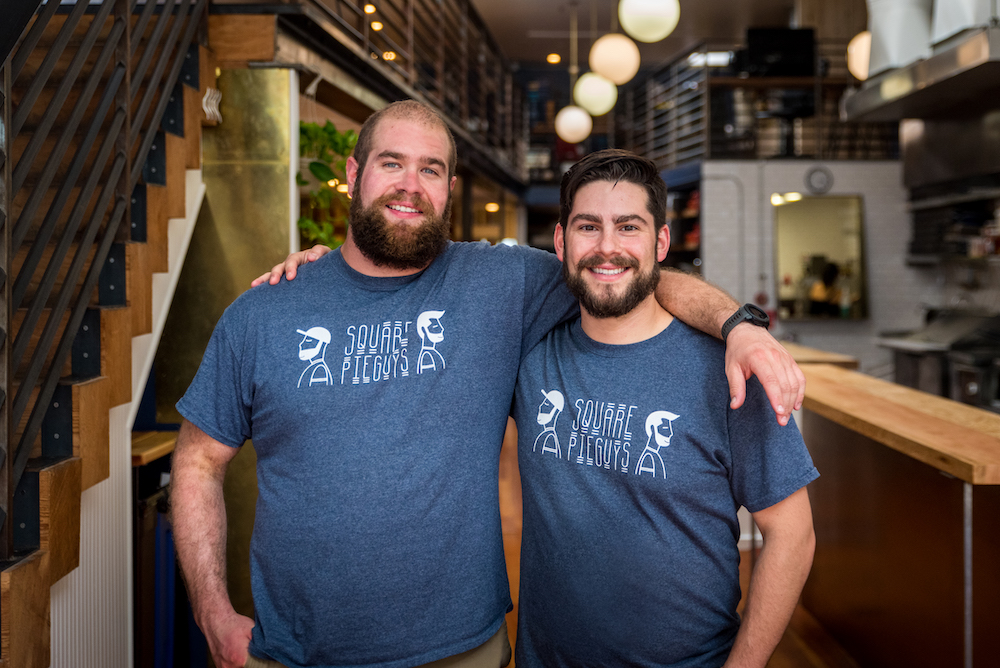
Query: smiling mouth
point(608, 272)
point(403, 209)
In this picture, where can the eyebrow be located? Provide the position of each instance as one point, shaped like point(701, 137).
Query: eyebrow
point(425, 160)
point(624, 218)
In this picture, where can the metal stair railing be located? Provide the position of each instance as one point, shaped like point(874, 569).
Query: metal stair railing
point(137, 49)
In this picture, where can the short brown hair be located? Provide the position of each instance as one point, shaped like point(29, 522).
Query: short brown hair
point(615, 165)
point(410, 110)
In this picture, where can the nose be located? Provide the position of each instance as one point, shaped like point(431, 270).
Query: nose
point(608, 243)
point(410, 181)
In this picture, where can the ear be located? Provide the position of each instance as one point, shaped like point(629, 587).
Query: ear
point(352, 174)
point(557, 240)
point(454, 180)
point(662, 243)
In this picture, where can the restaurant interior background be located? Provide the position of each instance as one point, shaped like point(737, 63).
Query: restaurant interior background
point(835, 161)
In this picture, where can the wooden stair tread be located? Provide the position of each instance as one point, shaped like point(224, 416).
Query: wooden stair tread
point(148, 446)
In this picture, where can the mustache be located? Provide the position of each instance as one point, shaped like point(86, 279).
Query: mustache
point(615, 260)
point(416, 202)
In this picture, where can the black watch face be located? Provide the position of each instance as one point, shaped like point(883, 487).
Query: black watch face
point(757, 312)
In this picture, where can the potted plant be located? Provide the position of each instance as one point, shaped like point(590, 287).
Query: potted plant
point(326, 204)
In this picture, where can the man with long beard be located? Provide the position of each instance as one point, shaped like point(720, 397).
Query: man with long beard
point(377, 536)
point(629, 553)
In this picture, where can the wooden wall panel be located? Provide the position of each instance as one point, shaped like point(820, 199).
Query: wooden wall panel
point(91, 436)
point(238, 39)
point(192, 128)
point(116, 349)
point(140, 287)
point(156, 227)
point(59, 516)
point(176, 182)
point(25, 626)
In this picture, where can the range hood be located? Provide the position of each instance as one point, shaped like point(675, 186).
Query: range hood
point(961, 79)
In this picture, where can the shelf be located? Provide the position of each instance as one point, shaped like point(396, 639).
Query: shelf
point(148, 446)
point(775, 82)
point(937, 259)
point(958, 198)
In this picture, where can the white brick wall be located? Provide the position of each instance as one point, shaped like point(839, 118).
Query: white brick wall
point(738, 250)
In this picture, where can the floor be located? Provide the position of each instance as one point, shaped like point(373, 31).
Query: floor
point(804, 645)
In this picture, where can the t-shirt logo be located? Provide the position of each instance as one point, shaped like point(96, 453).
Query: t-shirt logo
point(431, 333)
point(312, 349)
point(548, 413)
point(658, 434)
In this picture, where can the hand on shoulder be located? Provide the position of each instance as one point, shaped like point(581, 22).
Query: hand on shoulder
point(290, 266)
point(752, 351)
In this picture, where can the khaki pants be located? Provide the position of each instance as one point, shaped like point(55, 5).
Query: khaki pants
point(494, 653)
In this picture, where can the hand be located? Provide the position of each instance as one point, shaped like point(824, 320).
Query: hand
point(291, 264)
point(751, 350)
point(229, 640)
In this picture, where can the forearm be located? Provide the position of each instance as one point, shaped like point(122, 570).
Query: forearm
point(696, 302)
point(198, 515)
point(775, 584)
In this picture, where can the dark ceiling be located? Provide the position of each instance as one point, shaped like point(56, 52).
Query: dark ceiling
point(528, 30)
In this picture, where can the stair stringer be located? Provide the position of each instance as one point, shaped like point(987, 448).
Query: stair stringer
point(179, 238)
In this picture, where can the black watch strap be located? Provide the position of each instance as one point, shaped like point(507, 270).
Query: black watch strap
point(746, 313)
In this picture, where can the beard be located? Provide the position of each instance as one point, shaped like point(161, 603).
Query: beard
point(601, 302)
point(400, 246)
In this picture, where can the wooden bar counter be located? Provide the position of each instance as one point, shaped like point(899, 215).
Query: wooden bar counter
point(907, 515)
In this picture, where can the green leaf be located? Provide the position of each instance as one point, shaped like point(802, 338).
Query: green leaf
point(299, 180)
point(321, 171)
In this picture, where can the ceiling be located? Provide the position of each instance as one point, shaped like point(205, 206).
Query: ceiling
point(528, 30)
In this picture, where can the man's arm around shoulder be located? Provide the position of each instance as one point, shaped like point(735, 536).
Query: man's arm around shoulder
point(198, 515)
point(777, 579)
point(750, 350)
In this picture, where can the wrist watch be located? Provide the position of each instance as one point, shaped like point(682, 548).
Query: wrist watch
point(747, 313)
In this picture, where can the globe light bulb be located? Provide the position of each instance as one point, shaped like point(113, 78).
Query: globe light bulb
point(596, 94)
point(649, 20)
point(573, 124)
point(859, 51)
point(615, 57)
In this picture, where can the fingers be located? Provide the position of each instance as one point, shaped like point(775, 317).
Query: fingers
point(777, 389)
point(230, 643)
point(800, 379)
point(753, 351)
point(290, 267)
point(260, 279)
point(737, 385)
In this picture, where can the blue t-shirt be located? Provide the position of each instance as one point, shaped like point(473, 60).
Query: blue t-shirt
point(633, 467)
point(377, 408)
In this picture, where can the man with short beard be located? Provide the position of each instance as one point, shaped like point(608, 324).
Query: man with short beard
point(629, 545)
point(377, 538)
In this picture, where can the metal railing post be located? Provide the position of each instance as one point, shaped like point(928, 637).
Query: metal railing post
point(6, 480)
point(123, 103)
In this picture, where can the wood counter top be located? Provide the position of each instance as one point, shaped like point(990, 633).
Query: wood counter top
point(148, 446)
point(804, 355)
point(958, 439)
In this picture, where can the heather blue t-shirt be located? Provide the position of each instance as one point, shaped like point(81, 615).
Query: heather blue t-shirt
point(632, 469)
point(377, 408)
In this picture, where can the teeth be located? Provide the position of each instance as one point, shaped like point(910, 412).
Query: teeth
point(608, 272)
point(403, 209)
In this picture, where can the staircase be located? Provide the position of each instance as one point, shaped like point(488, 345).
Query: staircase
point(100, 151)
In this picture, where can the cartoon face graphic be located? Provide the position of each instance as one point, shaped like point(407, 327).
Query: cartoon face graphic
point(551, 407)
point(659, 429)
point(313, 342)
point(429, 327)
point(663, 432)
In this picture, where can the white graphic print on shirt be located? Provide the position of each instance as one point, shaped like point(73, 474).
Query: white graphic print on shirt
point(601, 435)
point(312, 349)
point(374, 352)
